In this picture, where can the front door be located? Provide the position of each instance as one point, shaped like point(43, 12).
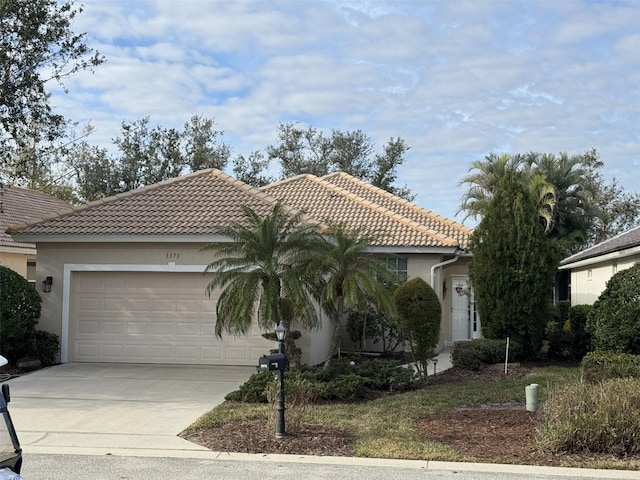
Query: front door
point(460, 311)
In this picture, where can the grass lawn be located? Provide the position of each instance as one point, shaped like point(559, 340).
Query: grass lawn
point(385, 427)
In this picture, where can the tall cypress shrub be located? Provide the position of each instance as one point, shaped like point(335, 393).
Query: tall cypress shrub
point(513, 266)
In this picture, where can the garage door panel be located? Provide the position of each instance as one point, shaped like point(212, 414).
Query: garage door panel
point(152, 318)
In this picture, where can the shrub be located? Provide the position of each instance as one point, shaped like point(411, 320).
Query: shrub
point(253, 390)
point(374, 325)
point(474, 354)
point(599, 366)
point(420, 313)
point(590, 418)
point(346, 380)
point(345, 387)
point(560, 338)
point(20, 307)
point(386, 375)
point(614, 321)
point(299, 393)
point(46, 347)
point(577, 318)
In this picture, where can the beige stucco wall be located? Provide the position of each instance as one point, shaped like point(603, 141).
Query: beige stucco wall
point(589, 281)
point(17, 262)
point(53, 257)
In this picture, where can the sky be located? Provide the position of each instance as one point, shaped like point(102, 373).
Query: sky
point(456, 79)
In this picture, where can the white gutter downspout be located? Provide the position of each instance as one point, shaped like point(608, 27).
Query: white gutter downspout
point(439, 265)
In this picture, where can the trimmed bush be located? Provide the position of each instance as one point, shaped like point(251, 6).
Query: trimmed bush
point(614, 321)
point(474, 354)
point(593, 418)
point(599, 366)
point(20, 306)
point(420, 314)
point(46, 347)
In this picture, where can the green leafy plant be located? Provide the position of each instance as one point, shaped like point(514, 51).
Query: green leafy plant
point(474, 354)
point(46, 347)
point(600, 365)
point(614, 321)
point(420, 313)
point(373, 325)
point(20, 306)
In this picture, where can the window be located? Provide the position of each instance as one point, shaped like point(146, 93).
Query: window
point(589, 275)
point(614, 269)
point(397, 265)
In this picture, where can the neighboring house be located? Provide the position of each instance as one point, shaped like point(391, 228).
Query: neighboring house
point(584, 276)
point(19, 205)
point(128, 271)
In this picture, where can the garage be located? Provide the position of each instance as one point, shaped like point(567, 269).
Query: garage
point(151, 317)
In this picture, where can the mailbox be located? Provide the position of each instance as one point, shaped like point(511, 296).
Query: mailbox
point(268, 363)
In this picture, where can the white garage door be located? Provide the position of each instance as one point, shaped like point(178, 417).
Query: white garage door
point(141, 317)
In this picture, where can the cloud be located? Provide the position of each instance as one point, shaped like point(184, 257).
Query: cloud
point(456, 80)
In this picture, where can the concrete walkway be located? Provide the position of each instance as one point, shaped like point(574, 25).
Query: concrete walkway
point(110, 408)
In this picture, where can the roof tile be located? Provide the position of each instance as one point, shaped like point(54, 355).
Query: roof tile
point(342, 199)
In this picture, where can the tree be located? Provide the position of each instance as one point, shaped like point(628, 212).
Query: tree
point(578, 206)
point(20, 307)
point(614, 320)
point(619, 211)
point(250, 170)
point(37, 45)
point(353, 278)
point(420, 313)
point(513, 265)
point(267, 259)
point(309, 150)
point(147, 155)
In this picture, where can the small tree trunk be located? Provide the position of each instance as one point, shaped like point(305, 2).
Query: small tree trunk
point(336, 335)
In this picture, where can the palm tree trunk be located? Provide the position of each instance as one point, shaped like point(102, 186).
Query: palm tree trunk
point(336, 335)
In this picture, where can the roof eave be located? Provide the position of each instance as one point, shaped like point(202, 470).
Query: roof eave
point(124, 238)
point(627, 252)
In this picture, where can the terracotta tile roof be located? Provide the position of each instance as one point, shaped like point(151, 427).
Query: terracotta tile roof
point(20, 205)
point(623, 241)
point(192, 204)
point(196, 203)
point(429, 219)
point(338, 199)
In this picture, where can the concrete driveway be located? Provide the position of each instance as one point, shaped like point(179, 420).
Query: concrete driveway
point(112, 408)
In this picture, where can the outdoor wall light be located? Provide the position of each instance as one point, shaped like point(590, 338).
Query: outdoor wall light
point(46, 284)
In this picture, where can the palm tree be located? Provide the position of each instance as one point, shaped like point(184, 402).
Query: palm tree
point(484, 182)
point(268, 259)
point(575, 182)
point(353, 277)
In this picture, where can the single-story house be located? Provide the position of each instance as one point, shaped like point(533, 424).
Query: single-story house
point(128, 281)
point(586, 273)
point(18, 205)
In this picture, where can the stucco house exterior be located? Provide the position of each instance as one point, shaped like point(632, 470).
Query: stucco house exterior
point(128, 281)
point(18, 205)
point(589, 271)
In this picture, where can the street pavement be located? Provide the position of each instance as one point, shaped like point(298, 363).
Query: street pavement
point(287, 467)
